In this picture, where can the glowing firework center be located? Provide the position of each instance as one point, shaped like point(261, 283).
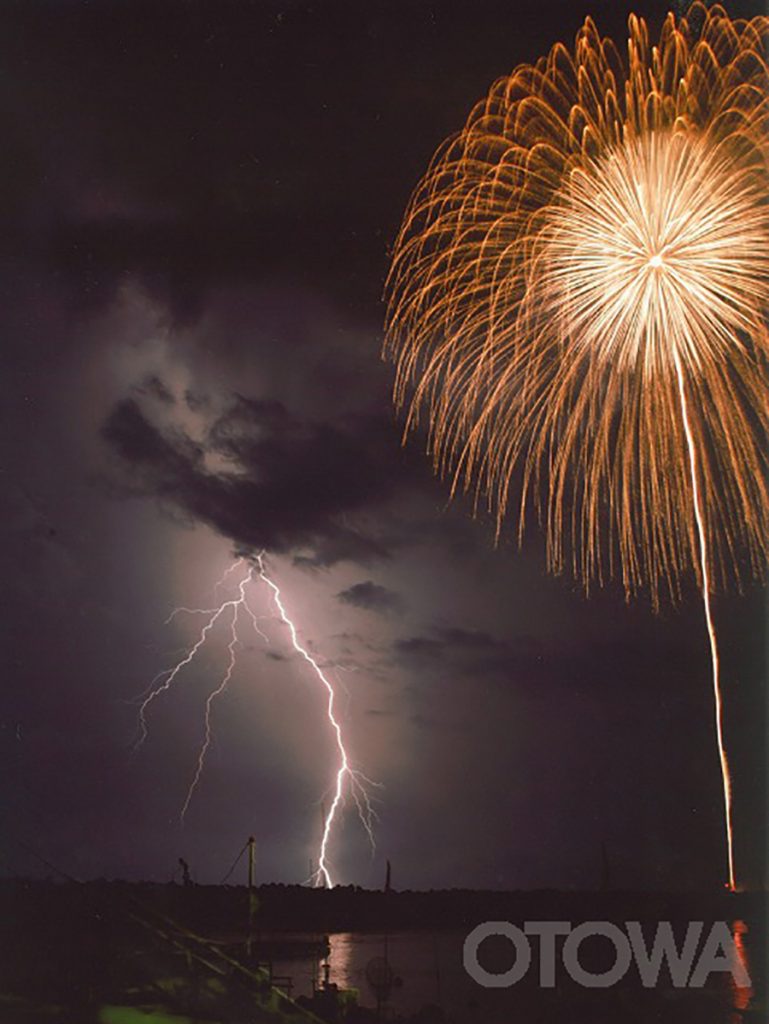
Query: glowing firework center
point(658, 246)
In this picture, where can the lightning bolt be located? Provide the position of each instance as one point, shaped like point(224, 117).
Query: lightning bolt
point(347, 779)
point(239, 605)
point(235, 605)
point(346, 776)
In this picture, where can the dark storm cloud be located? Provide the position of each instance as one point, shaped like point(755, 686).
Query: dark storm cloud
point(342, 545)
point(611, 664)
point(186, 151)
point(196, 145)
point(466, 651)
point(292, 480)
point(371, 597)
point(195, 401)
point(153, 387)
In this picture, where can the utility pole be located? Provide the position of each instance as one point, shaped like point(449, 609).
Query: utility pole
point(321, 880)
point(251, 894)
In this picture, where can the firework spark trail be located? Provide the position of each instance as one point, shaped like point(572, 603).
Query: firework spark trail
point(705, 576)
point(345, 772)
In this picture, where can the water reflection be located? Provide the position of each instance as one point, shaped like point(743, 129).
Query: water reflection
point(429, 971)
point(741, 997)
point(340, 959)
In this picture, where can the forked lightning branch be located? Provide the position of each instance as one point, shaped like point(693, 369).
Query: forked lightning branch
point(237, 613)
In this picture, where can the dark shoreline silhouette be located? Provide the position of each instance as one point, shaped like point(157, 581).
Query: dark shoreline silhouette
point(81, 946)
point(351, 908)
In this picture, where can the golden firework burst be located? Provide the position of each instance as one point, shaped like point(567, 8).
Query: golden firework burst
point(589, 252)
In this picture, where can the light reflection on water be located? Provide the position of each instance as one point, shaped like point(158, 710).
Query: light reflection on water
point(741, 997)
point(341, 959)
point(428, 969)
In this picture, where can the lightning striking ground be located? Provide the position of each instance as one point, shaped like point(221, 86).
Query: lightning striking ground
point(347, 779)
point(344, 773)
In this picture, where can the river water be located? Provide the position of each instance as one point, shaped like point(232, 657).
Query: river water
point(427, 969)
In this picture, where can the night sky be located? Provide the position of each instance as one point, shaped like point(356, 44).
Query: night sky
point(198, 201)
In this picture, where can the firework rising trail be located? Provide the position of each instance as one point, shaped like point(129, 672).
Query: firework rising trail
point(725, 774)
point(577, 307)
point(347, 780)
